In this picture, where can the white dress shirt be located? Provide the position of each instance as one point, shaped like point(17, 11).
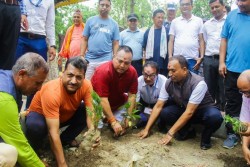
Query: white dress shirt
point(186, 33)
point(211, 33)
point(41, 19)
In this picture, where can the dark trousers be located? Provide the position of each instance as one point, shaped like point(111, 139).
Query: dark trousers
point(36, 127)
point(214, 80)
point(10, 19)
point(233, 97)
point(137, 64)
point(210, 117)
point(191, 63)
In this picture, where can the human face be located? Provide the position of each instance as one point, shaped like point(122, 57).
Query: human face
point(171, 14)
point(132, 24)
point(104, 8)
point(176, 72)
point(244, 87)
point(186, 7)
point(122, 61)
point(158, 20)
point(29, 85)
point(217, 9)
point(72, 79)
point(149, 75)
point(244, 6)
point(77, 19)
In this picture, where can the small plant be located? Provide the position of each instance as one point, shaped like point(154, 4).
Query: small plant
point(238, 126)
point(95, 115)
point(131, 117)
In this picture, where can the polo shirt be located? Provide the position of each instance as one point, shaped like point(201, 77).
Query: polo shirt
point(108, 83)
point(134, 40)
point(236, 31)
point(245, 110)
point(211, 33)
point(186, 33)
point(150, 94)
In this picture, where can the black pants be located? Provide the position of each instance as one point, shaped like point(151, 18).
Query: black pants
point(10, 19)
point(214, 80)
point(233, 97)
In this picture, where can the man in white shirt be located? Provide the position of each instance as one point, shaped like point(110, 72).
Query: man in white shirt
point(193, 105)
point(211, 33)
point(186, 37)
point(149, 86)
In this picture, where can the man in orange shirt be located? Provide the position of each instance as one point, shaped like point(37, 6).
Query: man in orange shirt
point(59, 104)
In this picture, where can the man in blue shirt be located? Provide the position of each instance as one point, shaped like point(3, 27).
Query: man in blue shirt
point(133, 37)
point(234, 59)
point(10, 19)
point(100, 38)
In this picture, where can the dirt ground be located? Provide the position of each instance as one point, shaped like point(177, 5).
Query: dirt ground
point(120, 153)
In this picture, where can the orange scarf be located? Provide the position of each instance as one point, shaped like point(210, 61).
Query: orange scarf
point(65, 49)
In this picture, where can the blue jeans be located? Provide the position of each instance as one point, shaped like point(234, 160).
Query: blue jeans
point(191, 63)
point(36, 127)
point(210, 117)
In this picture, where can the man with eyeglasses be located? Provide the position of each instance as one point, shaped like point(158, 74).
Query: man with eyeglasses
point(133, 37)
point(149, 86)
point(192, 104)
point(234, 59)
point(100, 38)
point(116, 83)
point(243, 84)
point(186, 37)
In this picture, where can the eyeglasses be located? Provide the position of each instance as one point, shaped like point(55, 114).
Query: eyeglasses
point(185, 4)
point(245, 92)
point(151, 76)
point(104, 5)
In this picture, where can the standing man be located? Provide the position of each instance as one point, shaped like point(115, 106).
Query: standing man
point(155, 42)
point(133, 37)
point(211, 33)
point(10, 19)
point(149, 86)
point(58, 104)
point(26, 78)
point(41, 26)
point(73, 37)
point(186, 37)
point(100, 38)
point(171, 14)
point(116, 83)
point(192, 104)
point(234, 59)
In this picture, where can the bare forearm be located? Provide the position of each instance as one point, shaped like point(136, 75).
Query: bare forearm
point(84, 45)
point(106, 108)
point(202, 46)
point(170, 46)
point(132, 101)
point(154, 115)
point(115, 47)
point(223, 49)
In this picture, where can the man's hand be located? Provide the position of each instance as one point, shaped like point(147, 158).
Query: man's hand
point(59, 61)
point(117, 128)
point(45, 163)
point(52, 53)
point(222, 69)
point(165, 140)
point(143, 134)
point(198, 63)
point(247, 133)
point(97, 143)
point(24, 22)
point(246, 153)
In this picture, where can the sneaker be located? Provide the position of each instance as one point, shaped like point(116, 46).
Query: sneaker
point(205, 146)
point(231, 141)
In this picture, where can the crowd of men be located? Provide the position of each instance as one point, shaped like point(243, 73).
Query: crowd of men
point(158, 68)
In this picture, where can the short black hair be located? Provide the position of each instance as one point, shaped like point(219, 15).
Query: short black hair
point(151, 64)
point(126, 49)
point(182, 60)
point(212, 1)
point(228, 8)
point(158, 11)
point(102, 0)
point(191, 1)
point(78, 62)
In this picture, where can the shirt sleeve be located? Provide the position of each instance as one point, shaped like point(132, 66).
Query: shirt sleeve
point(50, 25)
point(201, 26)
point(172, 28)
point(198, 93)
point(86, 31)
point(204, 32)
point(225, 29)
point(163, 94)
point(116, 34)
point(245, 112)
point(22, 8)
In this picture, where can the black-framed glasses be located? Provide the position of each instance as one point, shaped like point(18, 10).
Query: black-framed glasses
point(151, 76)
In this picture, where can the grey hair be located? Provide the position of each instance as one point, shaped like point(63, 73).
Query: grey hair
point(31, 62)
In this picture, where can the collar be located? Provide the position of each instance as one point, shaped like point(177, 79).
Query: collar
point(182, 18)
point(223, 18)
point(128, 30)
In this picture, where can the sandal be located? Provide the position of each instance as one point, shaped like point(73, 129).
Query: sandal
point(72, 143)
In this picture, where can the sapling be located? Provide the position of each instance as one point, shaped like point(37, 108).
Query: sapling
point(95, 115)
point(238, 126)
point(130, 117)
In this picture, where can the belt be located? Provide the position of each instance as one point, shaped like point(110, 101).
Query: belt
point(31, 35)
point(214, 56)
point(10, 2)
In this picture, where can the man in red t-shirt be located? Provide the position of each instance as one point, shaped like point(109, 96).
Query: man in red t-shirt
point(116, 83)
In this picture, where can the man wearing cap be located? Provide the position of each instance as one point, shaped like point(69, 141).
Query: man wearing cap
point(10, 19)
point(133, 37)
point(171, 14)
